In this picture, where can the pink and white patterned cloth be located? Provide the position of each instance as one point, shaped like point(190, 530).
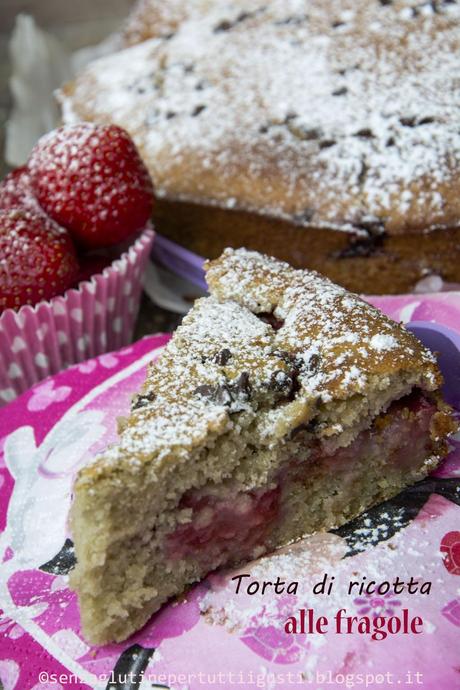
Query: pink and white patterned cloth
point(214, 637)
point(96, 317)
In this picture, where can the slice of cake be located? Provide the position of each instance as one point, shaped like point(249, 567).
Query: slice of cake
point(282, 405)
point(324, 132)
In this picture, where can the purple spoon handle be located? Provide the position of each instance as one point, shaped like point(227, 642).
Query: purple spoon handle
point(446, 344)
point(179, 260)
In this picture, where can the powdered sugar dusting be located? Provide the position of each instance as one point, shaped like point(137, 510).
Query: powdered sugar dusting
point(381, 342)
point(270, 347)
point(318, 317)
point(355, 123)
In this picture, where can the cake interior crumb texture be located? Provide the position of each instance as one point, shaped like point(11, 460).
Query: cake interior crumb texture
point(282, 405)
point(324, 132)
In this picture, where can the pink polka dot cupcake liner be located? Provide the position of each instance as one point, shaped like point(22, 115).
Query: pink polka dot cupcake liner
point(96, 317)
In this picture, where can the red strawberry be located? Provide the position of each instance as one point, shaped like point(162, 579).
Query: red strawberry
point(92, 265)
point(91, 180)
point(37, 260)
point(16, 191)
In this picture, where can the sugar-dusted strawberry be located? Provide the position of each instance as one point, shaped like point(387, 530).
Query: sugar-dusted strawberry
point(91, 180)
point(37, 259)
point(16, 191)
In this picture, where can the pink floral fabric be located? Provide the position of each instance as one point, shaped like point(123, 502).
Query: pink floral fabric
point(450, 547)
point(54, 428)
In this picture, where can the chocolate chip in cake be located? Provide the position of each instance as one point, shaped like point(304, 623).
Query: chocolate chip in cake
point(244, 15)
point(223, 357)
point(170, 114)
point(365, 133)
point(223, 395)
point(233, 394)
point(306, 427)
point(408, 121)
point(285, 383)
point(294, 385)
point(364, 246)
point(414, 122)
point(279, 380)
point(340, 92)
point(142, 400)
point(361, 247)
point(226, 24)
point(326, 143)
point(313, 364)
point(283, 354)
point(390, 141)
point(293, 19)
point(206, 390)
point(197, 110)
point(271, 319)
point(386, 2)
point(335, 25)
point(242, 384)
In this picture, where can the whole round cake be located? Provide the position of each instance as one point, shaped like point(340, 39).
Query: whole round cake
point(325, 133)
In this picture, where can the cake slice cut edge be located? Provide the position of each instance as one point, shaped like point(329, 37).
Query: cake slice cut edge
point(282, 405)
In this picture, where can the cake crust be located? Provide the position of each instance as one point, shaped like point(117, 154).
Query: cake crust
point(367, 262)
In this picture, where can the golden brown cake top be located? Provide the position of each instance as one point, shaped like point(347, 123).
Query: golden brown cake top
point(341, 113)
point(272, 347)
point(159, 19)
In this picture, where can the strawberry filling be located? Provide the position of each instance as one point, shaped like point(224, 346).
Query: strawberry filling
point(231, 525)
point(401, 435)
point(224, 526)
